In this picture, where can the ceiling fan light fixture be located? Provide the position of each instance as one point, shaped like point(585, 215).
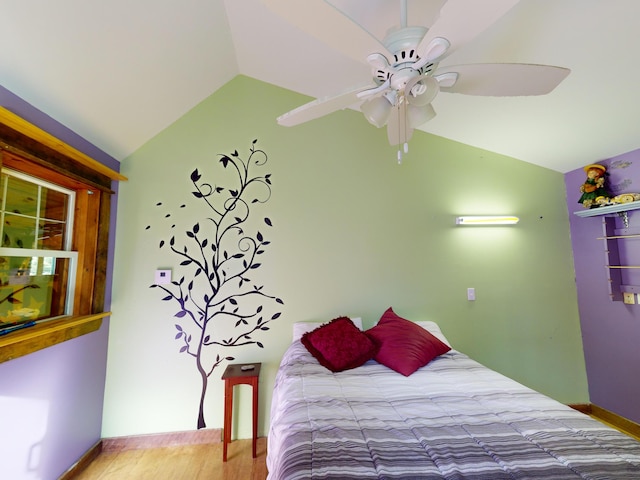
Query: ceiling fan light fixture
point(405, 64)
point(376, 110)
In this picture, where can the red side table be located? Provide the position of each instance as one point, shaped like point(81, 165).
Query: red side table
point(235, 375)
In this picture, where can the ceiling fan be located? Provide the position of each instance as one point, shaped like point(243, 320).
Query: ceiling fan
point(405, 60)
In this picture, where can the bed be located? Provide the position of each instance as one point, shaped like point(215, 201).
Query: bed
point(450, 419)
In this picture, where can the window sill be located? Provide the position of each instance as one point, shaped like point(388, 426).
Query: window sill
point(47, 334)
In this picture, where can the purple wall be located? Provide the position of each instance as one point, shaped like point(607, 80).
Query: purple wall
point(51, 400)
point(610, 330)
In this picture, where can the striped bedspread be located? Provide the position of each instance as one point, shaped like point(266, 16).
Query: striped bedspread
point(453, 419)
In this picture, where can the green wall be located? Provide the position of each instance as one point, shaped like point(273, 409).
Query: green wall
point(353, 233)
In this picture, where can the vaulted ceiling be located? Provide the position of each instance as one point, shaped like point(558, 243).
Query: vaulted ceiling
point(119, 71)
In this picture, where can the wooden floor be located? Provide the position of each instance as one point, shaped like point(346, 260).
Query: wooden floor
point(189, 462)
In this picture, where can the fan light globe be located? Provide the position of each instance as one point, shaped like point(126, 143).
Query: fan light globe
point(422, 90)
point(376, 111)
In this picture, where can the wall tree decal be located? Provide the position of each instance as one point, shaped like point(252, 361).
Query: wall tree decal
point(219, 257)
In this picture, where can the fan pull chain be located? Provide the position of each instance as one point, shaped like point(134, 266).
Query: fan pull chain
point(400, 99)
point(406, 150)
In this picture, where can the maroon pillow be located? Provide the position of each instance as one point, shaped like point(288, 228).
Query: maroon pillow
point(404, 345)
point(339, 345)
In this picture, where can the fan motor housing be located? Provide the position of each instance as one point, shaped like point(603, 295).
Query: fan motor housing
point(403, 43)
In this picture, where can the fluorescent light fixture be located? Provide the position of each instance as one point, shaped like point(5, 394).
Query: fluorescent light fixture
point(487, 220)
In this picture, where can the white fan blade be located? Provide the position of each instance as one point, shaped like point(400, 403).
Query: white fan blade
point(329, 25)
point(503, 79)
point(461, 21)
point(397, 129)
point(321, 107)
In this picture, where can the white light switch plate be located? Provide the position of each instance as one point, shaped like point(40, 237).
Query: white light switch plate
point(471, 294)
point(163, 277)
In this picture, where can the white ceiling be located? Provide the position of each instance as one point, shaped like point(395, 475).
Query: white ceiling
point(119, 71)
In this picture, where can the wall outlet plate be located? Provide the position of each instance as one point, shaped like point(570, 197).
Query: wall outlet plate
point(629, 298)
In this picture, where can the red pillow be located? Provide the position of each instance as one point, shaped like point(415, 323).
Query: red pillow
point(339, 345)
point(404, 345)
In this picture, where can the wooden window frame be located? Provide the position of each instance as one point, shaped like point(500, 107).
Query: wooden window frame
point(28, 149)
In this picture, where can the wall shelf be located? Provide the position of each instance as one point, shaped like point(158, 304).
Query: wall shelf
point(609, 209)
point(614, 243)
point(635, 235)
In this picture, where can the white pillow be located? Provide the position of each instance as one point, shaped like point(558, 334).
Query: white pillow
point(300, 328)
point(434, 329)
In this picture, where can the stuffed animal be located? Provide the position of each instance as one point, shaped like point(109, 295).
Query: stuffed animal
point(593, 188)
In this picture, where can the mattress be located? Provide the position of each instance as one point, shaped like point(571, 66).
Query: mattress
point(452, 419)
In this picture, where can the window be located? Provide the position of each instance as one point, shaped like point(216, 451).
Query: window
point(54, 237)
point(37, 266)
